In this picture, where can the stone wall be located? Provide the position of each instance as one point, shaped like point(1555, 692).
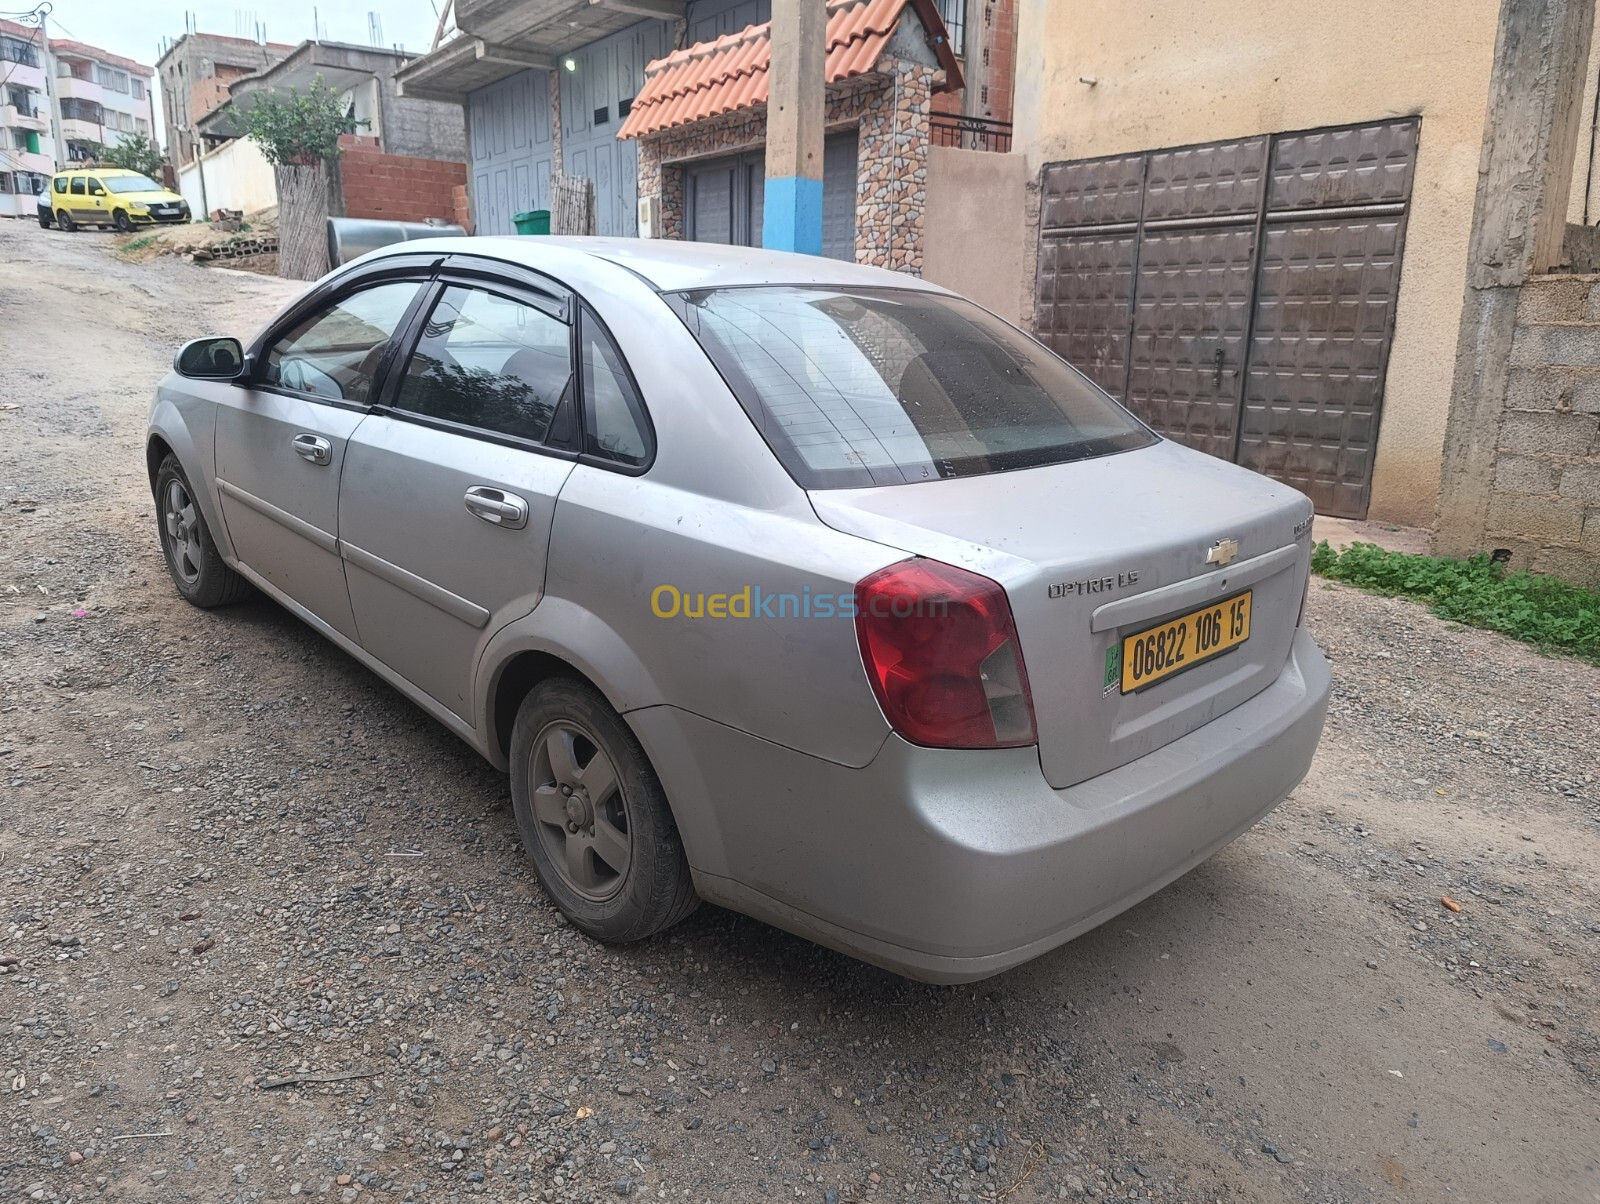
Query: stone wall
point(889, 109)
point(1545, 499)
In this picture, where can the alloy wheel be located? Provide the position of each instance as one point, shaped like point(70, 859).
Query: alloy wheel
point(181, 522)
point(581, 813)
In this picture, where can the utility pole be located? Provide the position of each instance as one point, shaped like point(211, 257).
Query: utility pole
point(792, 210)
point(52, 92)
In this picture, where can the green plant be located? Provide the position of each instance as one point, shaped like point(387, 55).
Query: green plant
point(300, 129)
point(136, 244)
point(135, 153)
point(1542, 611)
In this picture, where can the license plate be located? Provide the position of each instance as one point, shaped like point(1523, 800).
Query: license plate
point(1157, 653)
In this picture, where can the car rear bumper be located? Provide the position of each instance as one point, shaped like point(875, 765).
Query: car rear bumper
point(948, 865)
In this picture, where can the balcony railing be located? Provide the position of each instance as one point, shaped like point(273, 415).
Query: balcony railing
point(971, 133)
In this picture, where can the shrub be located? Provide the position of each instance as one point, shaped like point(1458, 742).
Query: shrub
point(1542, 611)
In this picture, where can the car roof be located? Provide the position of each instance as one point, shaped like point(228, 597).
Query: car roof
point(669, 265)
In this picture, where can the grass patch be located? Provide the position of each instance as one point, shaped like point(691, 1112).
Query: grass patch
point(1549, 614)
point(136, 244)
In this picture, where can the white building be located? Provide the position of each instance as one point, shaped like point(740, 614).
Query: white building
point(27, 150)
point(103, 98)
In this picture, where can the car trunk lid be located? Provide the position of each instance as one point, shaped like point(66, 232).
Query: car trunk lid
point(1094, 551)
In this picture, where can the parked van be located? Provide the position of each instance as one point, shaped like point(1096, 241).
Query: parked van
point(108, 196)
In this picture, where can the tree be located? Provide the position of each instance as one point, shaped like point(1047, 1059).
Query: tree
point(300, 129)
point(135, 153)
point(298, 133)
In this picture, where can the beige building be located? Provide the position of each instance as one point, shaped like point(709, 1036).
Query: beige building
point(1263, 228)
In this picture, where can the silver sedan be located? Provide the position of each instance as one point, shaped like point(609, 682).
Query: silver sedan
point(809, 589)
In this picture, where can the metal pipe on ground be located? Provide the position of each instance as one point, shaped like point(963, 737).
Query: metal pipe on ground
point(351, 237)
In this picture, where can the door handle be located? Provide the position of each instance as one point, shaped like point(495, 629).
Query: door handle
point(1216, 382)
point(314, 448)
point(497, 506)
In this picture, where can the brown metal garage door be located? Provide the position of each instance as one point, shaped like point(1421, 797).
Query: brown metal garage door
point(1238, 296)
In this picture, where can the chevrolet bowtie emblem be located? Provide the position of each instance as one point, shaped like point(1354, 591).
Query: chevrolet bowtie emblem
point(1222, 552)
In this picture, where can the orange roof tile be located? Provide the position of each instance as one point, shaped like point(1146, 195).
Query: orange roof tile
point(730, 73)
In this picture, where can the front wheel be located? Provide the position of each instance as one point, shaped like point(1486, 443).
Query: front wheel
point(197, 568)
point(593, 816)
point(64, 220)
point(44, 218)
point(122, 221)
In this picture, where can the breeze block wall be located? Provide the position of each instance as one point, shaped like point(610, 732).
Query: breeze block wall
point(396, 188)
point(889, 109)
point(1545, 501)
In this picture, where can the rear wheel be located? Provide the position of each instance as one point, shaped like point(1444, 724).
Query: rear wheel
point(197, 568)
point(593, 816)
point(122, 221)
point(64, 220)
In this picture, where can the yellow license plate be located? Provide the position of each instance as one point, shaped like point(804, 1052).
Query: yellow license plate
point(1178, 644)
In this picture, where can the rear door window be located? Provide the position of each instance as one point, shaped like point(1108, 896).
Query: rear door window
point(77, 186)
point(854, 387)
point(491, 362)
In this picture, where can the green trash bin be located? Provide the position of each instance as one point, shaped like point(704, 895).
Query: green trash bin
point(535, 221)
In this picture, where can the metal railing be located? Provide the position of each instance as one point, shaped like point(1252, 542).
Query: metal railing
point(971, 133)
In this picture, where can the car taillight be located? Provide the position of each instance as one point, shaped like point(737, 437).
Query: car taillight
point(941, 652)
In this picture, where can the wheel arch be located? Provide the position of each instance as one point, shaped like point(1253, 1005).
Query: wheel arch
point(512, 681)
point(519, 672)
point(156, 449)
point(171, 433)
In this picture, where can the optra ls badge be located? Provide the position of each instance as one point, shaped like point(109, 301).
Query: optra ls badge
point(1094, 585)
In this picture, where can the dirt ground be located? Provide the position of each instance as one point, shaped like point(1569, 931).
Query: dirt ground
point(229, 856)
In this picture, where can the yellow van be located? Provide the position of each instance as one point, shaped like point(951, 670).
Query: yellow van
point(108, 196)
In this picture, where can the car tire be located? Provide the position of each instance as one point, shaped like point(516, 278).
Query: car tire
point(64, 220)
point(196, 567)
point(45, 219)
point(565, 741)
point(122, 221)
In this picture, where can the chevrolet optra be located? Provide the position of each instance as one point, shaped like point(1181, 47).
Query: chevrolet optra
point(809, 589)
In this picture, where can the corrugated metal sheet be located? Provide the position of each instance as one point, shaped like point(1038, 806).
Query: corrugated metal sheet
point(730, 73)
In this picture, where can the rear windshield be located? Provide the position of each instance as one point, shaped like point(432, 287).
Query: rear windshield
point(855, 387)
point(131, 184)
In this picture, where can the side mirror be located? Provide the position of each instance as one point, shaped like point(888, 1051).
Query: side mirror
point(216, 358)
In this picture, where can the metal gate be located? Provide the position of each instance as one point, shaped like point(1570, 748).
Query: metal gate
point(1238, 296)
point(596, 96)
point(512, 150)
point(724, 198)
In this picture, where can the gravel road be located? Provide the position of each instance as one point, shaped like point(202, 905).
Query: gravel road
point(267, 931)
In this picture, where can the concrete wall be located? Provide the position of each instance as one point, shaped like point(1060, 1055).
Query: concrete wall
point(965, 247)
point(1168, 75)
point(237, 176)
point(1545, 501)
point(429, 129)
